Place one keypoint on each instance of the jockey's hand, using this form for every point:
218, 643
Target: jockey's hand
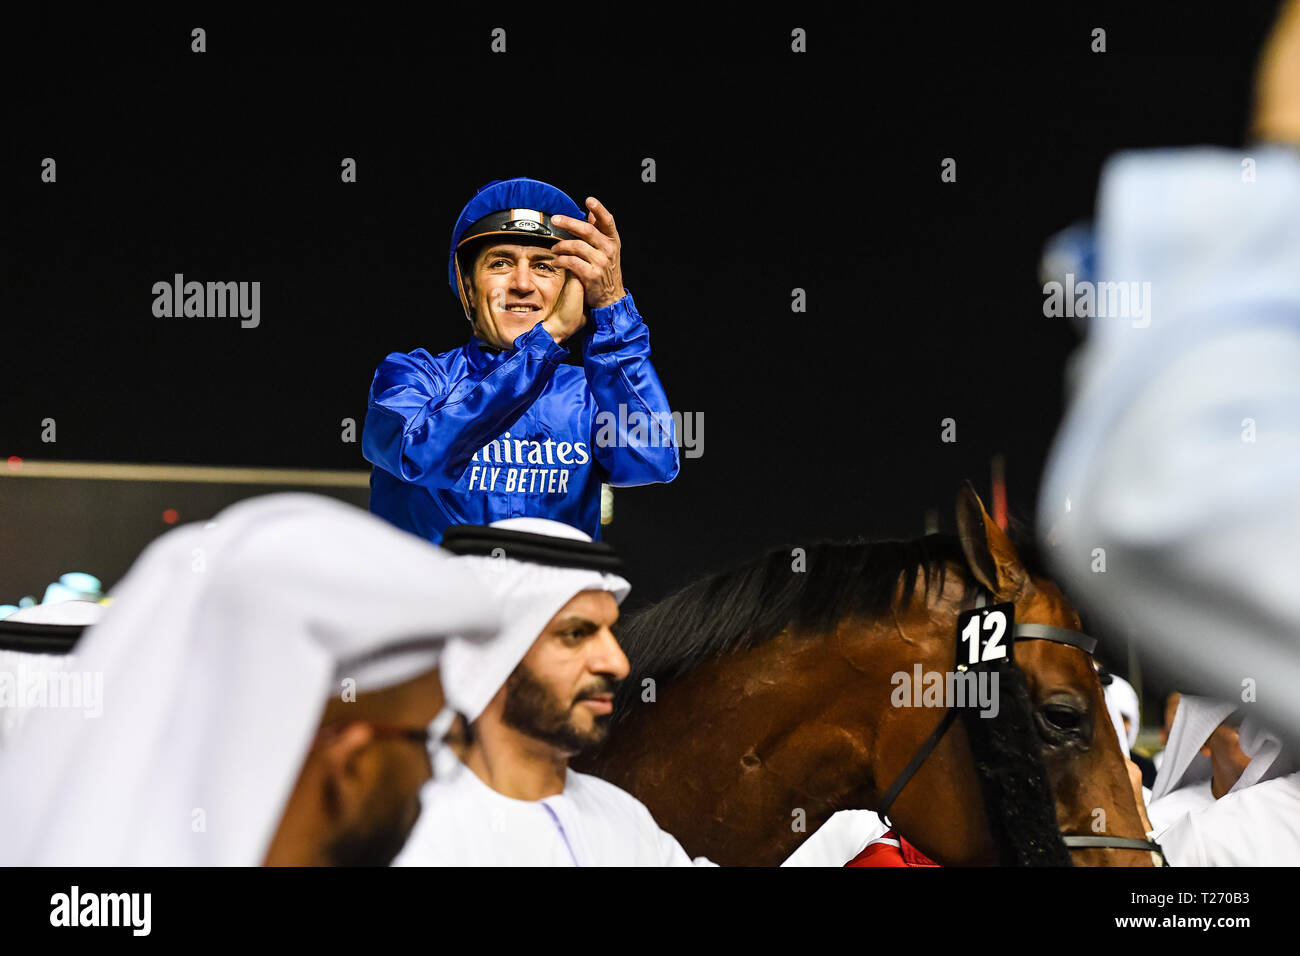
567, 317
596, 256
1277, 80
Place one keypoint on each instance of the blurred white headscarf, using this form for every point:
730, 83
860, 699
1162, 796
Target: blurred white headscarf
528, 595
221, 647
1121, 702
1195, 720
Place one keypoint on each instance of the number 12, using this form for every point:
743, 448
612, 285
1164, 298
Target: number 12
995, 621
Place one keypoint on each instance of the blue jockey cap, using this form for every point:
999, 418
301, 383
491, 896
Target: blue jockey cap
519, 206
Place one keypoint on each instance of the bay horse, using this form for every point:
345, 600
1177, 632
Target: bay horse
761, 696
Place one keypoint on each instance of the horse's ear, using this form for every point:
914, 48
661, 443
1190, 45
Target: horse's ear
989, 552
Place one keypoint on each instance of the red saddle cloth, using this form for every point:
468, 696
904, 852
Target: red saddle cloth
890, 849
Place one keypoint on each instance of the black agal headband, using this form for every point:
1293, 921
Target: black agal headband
476, 539
29, 637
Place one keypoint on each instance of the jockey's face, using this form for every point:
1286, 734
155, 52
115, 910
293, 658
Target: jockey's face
562, 691
513, 286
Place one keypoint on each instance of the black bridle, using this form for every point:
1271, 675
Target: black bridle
1019, 632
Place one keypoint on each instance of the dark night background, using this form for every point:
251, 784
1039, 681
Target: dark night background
775, 171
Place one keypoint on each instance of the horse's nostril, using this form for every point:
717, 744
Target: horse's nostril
750, 760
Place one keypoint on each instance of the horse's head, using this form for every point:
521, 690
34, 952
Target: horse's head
769, 696
1088, 773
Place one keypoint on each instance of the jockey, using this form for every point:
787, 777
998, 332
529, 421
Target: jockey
500, 427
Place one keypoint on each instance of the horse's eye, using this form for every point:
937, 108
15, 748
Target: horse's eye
1063, 718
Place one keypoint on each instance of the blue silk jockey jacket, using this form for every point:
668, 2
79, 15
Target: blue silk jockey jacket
473, 435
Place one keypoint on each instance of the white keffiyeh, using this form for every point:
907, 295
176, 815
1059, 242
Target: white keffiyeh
528, 595
220, 649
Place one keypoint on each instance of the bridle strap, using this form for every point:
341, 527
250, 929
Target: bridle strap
914, 764
1115, 843
1112, 843
1057, 635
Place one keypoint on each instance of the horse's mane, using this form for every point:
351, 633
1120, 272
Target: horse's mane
747, 605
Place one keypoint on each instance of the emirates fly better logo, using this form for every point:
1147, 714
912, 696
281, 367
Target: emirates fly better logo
544, 466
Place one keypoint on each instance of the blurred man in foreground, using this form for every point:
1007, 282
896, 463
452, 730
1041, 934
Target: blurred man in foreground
268, 680
1179, 458
1180, 455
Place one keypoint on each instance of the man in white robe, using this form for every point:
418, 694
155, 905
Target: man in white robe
1179, 457
531, 701
1187, 779
268, 681
1256, 823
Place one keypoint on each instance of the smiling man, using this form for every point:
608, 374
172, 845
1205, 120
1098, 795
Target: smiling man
542, 695
500, 428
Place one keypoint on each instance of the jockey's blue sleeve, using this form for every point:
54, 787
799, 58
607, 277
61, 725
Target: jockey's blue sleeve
634, 435
423, 429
